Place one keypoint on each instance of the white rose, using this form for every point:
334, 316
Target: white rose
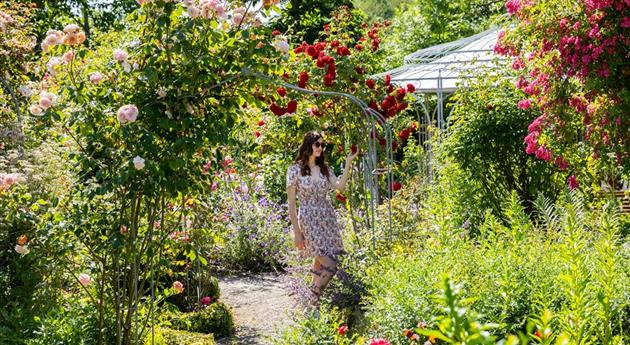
138, 163
22, 249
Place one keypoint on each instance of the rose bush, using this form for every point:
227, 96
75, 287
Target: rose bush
573, 67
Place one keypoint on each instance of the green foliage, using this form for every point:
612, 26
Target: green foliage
457, 325
73, 322
306, 19
485, 141
513, 273
317, 330
166, 336
216, 318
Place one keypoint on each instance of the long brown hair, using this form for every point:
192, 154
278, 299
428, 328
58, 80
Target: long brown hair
306, 150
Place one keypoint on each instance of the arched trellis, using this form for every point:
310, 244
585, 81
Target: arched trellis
371, 170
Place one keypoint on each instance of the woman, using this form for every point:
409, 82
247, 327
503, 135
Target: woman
316, 231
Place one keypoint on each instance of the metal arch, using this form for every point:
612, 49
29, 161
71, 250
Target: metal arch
370, 162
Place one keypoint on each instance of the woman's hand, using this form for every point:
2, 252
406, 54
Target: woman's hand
351, 157
298, 239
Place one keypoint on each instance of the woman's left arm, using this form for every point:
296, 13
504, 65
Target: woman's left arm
341, 182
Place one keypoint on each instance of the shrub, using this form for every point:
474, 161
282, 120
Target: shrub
167, 336
215, 318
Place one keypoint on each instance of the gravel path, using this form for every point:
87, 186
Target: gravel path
261, 305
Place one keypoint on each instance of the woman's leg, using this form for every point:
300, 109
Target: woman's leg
328, 268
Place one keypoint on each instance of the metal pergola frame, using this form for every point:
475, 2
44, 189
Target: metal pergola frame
438, 71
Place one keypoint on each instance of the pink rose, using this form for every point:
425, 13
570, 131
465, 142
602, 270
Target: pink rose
178, 286
72, 29
237, 19
85, 279
36, 109
379, 342
120, 55
46, 100
206, 300
525, 104
96, 77
573, 183
193, 11
127, 114
68, 56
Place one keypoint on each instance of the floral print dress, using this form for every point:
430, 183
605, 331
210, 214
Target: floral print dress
316, 215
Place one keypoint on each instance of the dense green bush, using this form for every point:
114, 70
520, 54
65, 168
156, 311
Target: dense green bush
216, 318
167, 336
485, 141
568, 263
74, 321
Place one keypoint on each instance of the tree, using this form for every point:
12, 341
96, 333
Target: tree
421, 23
307, 18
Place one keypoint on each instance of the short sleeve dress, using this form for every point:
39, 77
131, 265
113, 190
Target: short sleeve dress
317, 218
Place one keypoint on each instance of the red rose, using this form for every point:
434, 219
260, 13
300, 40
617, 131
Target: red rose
343, 51
375, 45
285, 75
341, 198
326, 27
358, 47
281, 91
278, 111
303, 79
292, 106
390, 88
332, 70
320, 46
359, 70
401, 106
298, 50
328, 80
394, 145
404, 134
370, 83
343, 329
312, 51
275, 32
396, 186
373, 33
400, 94
257, 134
261, 123
334, 44
382, 141
373, 105
320, 62
354, 148
388, 80
411, 88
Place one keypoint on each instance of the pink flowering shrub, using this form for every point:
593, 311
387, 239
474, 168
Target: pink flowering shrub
146, 121
572, 60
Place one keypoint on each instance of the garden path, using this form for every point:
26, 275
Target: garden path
261, 305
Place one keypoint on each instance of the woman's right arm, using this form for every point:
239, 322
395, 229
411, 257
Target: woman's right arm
298, 237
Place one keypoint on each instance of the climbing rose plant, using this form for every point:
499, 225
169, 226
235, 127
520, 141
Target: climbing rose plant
572, 57
147, 110
342, 60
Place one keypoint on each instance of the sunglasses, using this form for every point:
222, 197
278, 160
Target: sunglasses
318, 144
